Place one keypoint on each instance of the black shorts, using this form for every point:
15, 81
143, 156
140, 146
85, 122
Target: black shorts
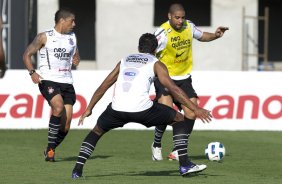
158, 114
185, 85
49, 89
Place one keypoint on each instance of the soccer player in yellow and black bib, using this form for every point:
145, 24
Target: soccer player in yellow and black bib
175, 51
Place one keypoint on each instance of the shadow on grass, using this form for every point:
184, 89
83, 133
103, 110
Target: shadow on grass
74, 158
197, 157
169, 173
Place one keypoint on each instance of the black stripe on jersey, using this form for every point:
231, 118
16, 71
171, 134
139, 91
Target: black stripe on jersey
47, 55
160, 33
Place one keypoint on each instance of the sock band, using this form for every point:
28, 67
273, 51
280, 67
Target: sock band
54, 125
86, 149
180, 140
159, 132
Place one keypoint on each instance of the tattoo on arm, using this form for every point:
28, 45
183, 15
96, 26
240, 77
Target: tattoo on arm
36, 44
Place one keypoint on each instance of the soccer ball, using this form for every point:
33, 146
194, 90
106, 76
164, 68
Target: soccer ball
215, 151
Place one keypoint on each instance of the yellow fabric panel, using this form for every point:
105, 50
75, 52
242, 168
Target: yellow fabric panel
177, 55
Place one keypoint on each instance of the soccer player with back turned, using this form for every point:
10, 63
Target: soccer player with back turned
132, 77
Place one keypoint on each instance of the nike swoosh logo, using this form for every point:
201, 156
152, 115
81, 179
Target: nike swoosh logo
178, 55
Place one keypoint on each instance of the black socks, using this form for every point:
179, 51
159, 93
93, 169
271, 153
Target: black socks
159, 131
86, 149
54, 125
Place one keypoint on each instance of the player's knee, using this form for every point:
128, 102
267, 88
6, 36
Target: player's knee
99, 131
190, 115
58, 110
178, 117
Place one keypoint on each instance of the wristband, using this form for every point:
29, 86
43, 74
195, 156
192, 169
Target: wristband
31, 72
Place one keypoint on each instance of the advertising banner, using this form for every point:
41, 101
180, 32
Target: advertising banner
237, 100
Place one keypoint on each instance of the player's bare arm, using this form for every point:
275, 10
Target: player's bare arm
76, 58
162, 73
38, 42
212, 36
99, 93
178, 93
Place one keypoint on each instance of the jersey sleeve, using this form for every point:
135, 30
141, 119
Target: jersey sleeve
197, 33
161, 36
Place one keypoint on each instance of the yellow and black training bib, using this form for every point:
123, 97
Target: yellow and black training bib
177, 55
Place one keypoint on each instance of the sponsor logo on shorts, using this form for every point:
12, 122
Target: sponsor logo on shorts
50, 90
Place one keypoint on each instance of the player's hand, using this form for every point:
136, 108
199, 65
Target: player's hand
76, 59
84, 115
203, 114
220, 31
36, 78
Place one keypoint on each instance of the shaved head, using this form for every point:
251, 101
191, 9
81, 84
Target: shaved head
176, 16
175, 7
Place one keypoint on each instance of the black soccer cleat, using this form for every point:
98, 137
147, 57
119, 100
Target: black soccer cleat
76, 174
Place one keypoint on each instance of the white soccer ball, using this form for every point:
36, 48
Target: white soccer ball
215, 151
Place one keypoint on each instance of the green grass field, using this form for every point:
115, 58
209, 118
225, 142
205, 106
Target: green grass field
124, 156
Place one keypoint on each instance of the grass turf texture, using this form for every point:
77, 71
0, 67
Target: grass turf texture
124, 156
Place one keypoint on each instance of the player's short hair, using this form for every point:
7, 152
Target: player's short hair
176, 7
63, 13
147, 43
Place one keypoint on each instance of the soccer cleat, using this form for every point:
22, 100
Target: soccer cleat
191, 168
156, 153
49, 155
76, 174
173, 156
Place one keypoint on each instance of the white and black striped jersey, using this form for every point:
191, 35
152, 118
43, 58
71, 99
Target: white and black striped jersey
56, 57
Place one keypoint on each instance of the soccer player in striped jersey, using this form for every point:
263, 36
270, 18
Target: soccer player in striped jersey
58, 52
131, 102
175, 50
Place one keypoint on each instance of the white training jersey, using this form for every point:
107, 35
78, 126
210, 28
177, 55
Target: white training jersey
162, 35
131, 93
56, 57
